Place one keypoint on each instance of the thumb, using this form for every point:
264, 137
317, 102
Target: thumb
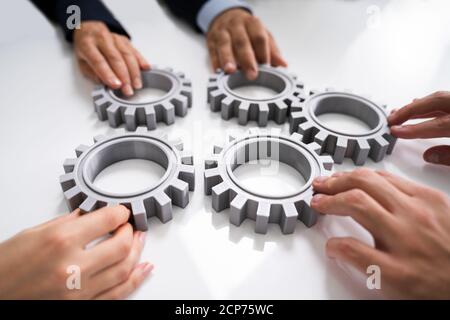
438, 155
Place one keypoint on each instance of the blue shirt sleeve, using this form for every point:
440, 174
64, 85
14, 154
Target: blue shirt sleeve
212, 8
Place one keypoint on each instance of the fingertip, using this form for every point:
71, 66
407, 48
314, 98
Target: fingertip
251, 74
431, 157
114, 83
127, 90
146, 268
229, 67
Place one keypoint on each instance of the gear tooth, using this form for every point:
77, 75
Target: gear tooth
296, 106
101, 104
378, 148
181, 104
98, 90
150, 117
180, 75
67, 181
392, 140
179, 193
262, 217
187, 174
217, 149
114, 115
327, 162
220, 197
163, 207
211, 162
99, 138
130, 119
238, 207
243, 112
215, 98
280, 111
306, 129
254, 131
211, 179
187, 158
340, 149
186, 91
212, 86
227, 107
80, 149
231, 138
361, 152
317, 148
69, 165
168, 112
89, 204
177, 144
295, 119
308, 215
139, 215
321, 138
142, 130
74, 197
288, 219
263, 114
121, 132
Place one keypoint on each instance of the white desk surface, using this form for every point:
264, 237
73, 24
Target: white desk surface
395, 51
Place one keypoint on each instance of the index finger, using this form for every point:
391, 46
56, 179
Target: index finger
437, 102
93, 225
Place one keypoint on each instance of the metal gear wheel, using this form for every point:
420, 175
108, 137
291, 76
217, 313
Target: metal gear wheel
375, 143
227, 192
112, 106
179, 178
223, 98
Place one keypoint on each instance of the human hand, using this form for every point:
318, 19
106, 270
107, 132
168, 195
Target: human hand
410, 224
108, 57
436, 106
35, 262
237, 38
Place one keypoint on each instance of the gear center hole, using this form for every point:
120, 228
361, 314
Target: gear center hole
126, 169
154, 87
267, 85
346, 115
271, 169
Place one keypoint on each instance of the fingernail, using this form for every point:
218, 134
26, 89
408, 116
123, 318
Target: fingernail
128, 90
229, 67
432, 158
320, 180
397, 128
142, 238
115, 82
137, 83
316, 199
146, 269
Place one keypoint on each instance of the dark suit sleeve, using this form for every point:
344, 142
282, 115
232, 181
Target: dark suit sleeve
186, 10
56, 11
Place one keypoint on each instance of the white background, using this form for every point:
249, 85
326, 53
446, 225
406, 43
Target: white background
392, 50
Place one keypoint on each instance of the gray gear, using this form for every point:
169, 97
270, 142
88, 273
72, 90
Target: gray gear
80, 191
375, 144
226, 191
223, 98
112, 106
